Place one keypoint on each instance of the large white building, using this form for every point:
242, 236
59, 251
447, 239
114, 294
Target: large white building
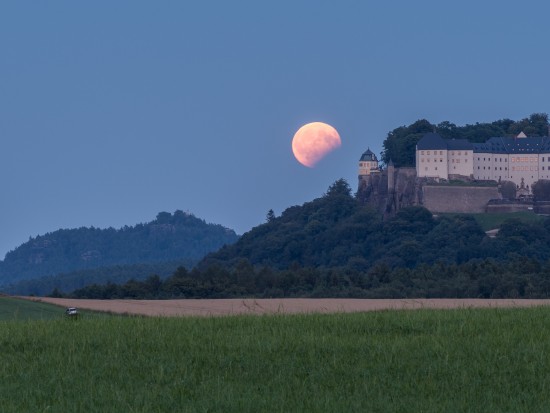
521, 160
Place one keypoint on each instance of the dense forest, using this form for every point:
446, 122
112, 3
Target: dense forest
335, 247
67, 282
170, 237
400, 144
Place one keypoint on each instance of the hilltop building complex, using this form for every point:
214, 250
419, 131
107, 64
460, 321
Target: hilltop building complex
521, 159
482, 169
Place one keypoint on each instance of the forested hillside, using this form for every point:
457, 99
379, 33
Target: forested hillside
67, 282
335, 247
170, 237
400, 144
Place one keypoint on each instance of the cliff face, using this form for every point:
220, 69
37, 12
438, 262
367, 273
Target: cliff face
394, 188
391, 189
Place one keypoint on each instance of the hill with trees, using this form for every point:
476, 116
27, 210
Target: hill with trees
334, 246
180, 237
400, 144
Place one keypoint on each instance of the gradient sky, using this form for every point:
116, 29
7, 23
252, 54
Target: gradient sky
112, 111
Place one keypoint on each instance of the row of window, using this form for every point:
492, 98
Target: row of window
496, 160
513, 159
523, 159
428, 152
441, 160
496, 168
514, 168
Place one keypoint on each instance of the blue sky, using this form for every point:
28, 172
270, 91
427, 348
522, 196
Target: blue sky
112, 111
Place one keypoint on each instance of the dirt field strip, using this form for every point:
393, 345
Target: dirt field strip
223, 307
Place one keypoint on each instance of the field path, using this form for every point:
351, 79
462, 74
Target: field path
219, 307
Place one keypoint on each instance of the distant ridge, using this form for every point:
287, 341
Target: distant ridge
170, 237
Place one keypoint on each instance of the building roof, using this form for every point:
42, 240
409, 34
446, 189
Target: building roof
435, 141
368, 156
431, 141
514, 145
517, 145
459, 145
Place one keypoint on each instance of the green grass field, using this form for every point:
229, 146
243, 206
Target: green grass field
390, 361
24, 310
17, 309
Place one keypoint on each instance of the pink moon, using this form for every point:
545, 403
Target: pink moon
313, 141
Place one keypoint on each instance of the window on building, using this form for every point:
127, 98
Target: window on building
422, 160
441, 152
421, 152
426, 168
436, 168
427, 152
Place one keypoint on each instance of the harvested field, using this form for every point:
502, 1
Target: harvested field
223, 307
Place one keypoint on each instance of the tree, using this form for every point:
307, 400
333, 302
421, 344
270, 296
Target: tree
541, 190
400, 144
270, 216
508, 190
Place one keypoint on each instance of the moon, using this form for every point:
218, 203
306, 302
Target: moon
313, 141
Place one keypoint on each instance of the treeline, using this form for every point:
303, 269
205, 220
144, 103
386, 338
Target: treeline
119, 274
400, 144
488, 278
169, 237
335, 247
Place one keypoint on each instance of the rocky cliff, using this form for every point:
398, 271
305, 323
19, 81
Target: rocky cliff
394, 188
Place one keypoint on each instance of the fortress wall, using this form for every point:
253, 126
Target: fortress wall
468, 199
517, 207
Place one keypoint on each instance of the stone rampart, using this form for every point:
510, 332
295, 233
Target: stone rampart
467, 199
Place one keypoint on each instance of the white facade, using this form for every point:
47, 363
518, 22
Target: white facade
520, 160
460, 162
432, 163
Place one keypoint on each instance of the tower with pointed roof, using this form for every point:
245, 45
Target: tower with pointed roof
368, 163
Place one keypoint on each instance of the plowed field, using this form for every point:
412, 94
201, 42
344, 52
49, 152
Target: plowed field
221, 307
